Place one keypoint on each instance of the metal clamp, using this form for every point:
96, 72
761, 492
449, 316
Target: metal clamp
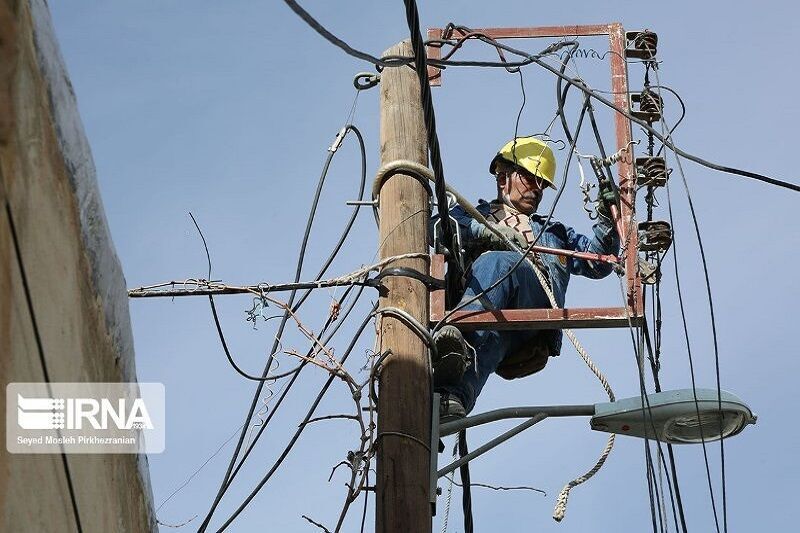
366, 80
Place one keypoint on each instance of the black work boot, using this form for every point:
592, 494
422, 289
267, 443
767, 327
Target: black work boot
451, 359
450, 408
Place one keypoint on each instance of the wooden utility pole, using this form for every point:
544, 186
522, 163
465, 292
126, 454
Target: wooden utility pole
404, 410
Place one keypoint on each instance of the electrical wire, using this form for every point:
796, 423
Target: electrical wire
535, 59
707, 280
302, 425
295, 375
593, 94
466, 489
691, 360
301, 256
454, 271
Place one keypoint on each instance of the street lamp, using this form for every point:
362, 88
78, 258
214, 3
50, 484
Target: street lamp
686, 416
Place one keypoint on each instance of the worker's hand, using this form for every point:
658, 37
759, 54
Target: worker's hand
494, 241
606, 198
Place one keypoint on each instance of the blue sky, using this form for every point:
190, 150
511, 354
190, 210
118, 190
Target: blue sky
227, 109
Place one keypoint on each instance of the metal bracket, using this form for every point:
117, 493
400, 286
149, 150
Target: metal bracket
429, 281
458, 249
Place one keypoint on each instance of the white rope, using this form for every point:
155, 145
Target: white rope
561, 504
563, 496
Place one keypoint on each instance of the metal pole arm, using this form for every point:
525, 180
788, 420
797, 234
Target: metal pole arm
514, 412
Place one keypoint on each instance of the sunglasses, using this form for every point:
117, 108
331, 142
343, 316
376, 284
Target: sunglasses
527, 176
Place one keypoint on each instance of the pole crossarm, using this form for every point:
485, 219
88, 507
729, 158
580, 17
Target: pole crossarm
203, 287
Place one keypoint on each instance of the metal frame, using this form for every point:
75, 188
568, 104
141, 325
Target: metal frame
588, 317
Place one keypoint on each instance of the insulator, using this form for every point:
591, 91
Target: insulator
650, 102
651, 171
647, 41
647, 106
641, 44
655, 236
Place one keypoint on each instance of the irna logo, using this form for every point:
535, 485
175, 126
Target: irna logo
80, 413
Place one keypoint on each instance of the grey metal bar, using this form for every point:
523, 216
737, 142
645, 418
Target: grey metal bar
449, 428
491, 444
434, 450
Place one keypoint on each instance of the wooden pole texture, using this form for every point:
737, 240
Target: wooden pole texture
404, 410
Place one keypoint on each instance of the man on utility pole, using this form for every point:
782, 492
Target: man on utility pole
404, 402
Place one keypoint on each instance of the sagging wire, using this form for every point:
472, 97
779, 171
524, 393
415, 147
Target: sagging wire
302, 426
691, 359
712, 316
654, 357
663, 138
653, 489
394, 61
602, 167
295, 373
301, 256
646, 410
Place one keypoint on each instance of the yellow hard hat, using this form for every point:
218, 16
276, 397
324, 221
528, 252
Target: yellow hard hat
530, 153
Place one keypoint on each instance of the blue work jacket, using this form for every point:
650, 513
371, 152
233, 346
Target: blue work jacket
556, 235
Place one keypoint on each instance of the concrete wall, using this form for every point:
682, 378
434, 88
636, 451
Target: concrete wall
63, 305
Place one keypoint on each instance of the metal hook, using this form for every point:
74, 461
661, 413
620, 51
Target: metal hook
366, 80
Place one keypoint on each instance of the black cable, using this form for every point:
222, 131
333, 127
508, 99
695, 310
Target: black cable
399, 61
593, 94
389, 61
521, 107
366, 503
647, 415
284, 319
466, 493
713, 325
40, 350
691, 361
454, 271
683, 111
675, 497
303, 424
325, 266
295, 376
561, 97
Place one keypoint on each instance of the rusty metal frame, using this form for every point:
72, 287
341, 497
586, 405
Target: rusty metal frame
587, 317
